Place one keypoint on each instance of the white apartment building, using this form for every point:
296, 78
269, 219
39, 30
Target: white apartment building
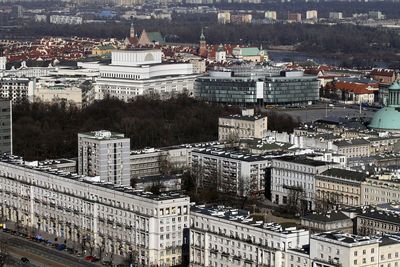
295, 173
17, 89
137, 72
230, 171
50, 90
346, 250
106, 155
59, 19
235, 127
72, 207
227, 237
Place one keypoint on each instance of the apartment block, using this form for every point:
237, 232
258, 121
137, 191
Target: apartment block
17, 89
230, 171
106, 155
6, 126
336, 188
378, 222
235, 127
353, 147
221, 236
376, 191
341, 249
295, 174
73, 207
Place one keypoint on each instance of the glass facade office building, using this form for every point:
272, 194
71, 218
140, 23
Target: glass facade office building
291, 87
233, 90
291, 90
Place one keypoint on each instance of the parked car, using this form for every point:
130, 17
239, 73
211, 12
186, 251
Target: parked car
61, 247
24, 260
90, 257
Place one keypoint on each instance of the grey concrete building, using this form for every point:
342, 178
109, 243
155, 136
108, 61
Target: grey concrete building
5, 126
104, 154
84, 213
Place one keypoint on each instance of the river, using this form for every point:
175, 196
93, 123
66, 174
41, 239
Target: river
289, 56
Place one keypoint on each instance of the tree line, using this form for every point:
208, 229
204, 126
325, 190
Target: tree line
49, 130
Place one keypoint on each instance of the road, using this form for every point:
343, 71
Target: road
39, 254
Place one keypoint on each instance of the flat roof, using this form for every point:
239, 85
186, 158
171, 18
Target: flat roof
231, 154
243, 217
345, 174
245, 118
302, 160
19, 162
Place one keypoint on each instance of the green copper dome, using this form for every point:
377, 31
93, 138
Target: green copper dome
387, 118
394, 86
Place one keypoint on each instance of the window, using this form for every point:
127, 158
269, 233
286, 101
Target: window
355, 253
372, 259
355, 262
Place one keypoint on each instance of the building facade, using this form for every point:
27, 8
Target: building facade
376, 191
6, 144
137, 72
237, 127
106, 155
336, 188
222, 236
295, 175
101, 216
229, 171
17, 89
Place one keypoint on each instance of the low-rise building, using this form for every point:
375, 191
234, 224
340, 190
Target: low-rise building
235, 127
376, 191
295, 176
372, 222
354, 147
335, 188
327, 221
342, 249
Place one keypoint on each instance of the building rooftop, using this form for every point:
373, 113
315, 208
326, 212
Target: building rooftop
326, 216
243, 217
302, 160
382, 215
239, 155
245, 118
345, 174
19, 162
351, 142
345, 238
103, 135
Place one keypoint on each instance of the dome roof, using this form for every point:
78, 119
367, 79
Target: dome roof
386, 118
394, 86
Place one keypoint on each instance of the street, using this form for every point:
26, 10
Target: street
39, 254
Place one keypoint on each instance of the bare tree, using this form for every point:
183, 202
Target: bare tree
246, 187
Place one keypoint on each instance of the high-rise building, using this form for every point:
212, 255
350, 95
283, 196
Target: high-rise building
5, 126
104, 154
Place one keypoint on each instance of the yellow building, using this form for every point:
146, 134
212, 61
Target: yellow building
102, 50
336, 188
